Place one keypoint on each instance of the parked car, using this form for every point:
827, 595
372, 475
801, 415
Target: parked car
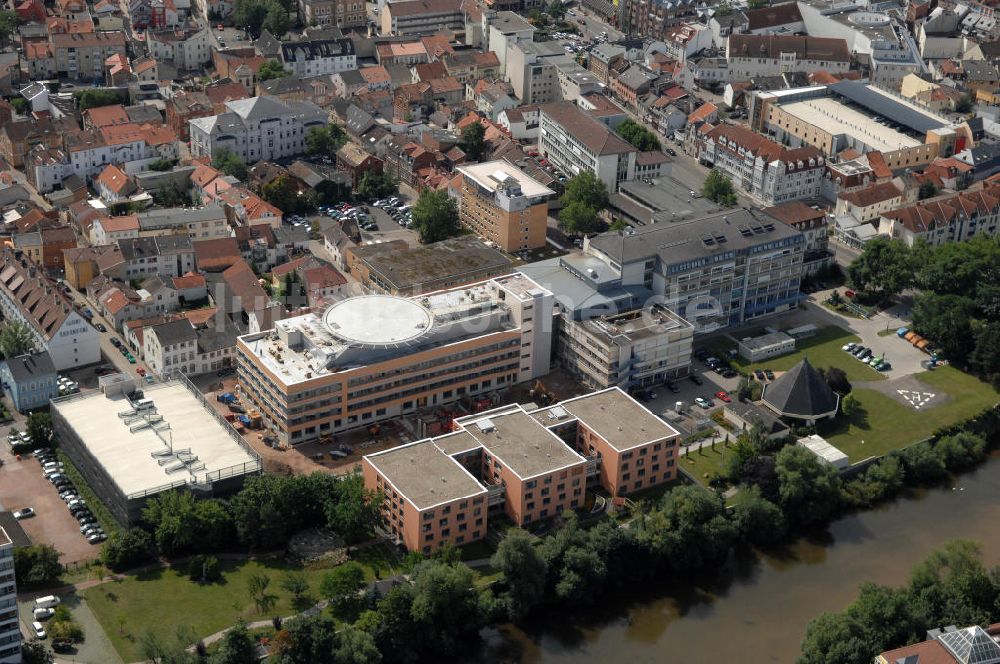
24, 513
849, 347
724, 396
673, 387
43, 614
696, 379
38, 629
704, 403
769, 374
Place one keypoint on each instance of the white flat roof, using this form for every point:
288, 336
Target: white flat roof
837, 118
485, 174
824, 450
127, 456
378, 319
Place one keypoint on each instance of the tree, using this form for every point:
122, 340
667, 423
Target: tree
238, 646
270, 69
181, 523
16, 339
927, 190
985, 357
373, 186
277, 21
690, 530
158, 649
35, 652
20, 105
836, 379
472, 141
952, 587
588, 189
578, 218
757, 4
204, 569
445, 608
524, 572
758, 520
282, 193
808, 490
37, 565
353, 511
960, 451
296, 584
324, 141
230, 163
94, 98
641, 138
356, 646
435, 216
341, 585
127, 548
946, 320
309, 640
964, 104
39, 427
556, 9
923, 464
851, 407
883, 269
257, 586
162, 164
719, 188
9, 20
834, 638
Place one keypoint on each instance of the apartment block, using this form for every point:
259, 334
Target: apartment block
723, 270
10, 628
374, 357
529, 464
421, 17
950, 218
575, 141
319, 57
337, 13
504, 205
255, 129
751, 56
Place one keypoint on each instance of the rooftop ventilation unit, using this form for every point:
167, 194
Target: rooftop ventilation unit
486, 425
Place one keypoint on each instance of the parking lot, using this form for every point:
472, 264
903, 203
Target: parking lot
23, 485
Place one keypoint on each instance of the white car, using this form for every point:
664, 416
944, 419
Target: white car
704, 403
43, 614
24, 513
39, 630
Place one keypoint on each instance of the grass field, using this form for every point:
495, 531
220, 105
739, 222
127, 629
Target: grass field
887, 424
823, 350
164, 600
705, 462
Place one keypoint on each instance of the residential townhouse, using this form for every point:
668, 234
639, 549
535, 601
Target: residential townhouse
45, 246
812, 222
950, 218
82, 55
185, 48
19, 137
766, 170
108, 230
318, 57
752, 56
28, 296
185, 106
180, 346
869, 203
166, 255
468, 66
30, 380
335, 13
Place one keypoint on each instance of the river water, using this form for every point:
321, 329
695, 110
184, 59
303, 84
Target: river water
760, 613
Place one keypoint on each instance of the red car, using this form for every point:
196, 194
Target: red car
532, 153
543, 162
141, 371
724, 396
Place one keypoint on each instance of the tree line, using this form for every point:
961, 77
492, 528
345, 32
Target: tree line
957, 304
951, 587
263, 515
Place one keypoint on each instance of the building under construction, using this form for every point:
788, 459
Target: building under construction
131, 445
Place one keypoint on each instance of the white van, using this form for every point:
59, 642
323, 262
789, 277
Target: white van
47, 602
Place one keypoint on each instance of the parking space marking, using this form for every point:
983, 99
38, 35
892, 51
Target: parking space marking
916, 398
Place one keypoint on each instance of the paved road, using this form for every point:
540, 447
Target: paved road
110, 353
593, 25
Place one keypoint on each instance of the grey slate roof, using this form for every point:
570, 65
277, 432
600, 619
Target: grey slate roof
305, 51
801, 392
175, 332
30, 367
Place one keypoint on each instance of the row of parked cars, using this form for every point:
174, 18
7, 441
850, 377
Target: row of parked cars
867, 355
123, 349
53, 470
399, 210
720, 367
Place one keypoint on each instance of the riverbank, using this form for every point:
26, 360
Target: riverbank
759, 612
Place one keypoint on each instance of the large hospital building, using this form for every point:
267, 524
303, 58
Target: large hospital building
374, 357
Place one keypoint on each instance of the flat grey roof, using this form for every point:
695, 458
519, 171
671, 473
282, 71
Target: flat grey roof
697, 238
618, 419
425, 475
668, 199
430, 262
127, 456
584, 297
520, 442
897, 111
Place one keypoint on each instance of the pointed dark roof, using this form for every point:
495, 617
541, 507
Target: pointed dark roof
801, 392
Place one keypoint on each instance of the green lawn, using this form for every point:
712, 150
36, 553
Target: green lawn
823, 350
704, 463
887, 424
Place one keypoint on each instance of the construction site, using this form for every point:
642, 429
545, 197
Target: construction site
131, 444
